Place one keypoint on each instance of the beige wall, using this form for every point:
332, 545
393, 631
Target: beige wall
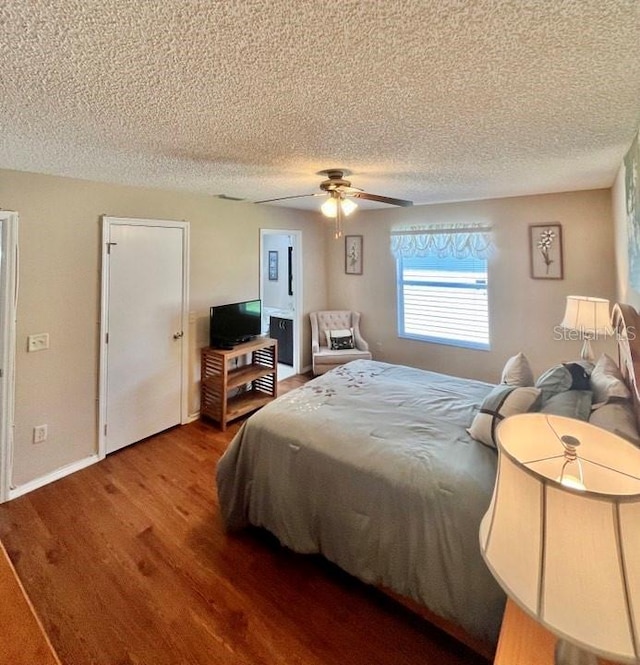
523, 311
60, 281
60, 286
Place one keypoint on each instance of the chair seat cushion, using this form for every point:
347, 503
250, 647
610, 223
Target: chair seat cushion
329, 357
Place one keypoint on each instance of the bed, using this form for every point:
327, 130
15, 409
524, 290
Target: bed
371, 465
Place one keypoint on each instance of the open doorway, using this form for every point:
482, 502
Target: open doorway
281, 295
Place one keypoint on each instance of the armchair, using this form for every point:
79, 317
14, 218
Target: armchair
325, 358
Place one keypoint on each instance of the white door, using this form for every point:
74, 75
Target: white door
144, 329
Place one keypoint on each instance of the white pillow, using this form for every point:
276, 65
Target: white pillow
340, 339
517, 371
503, 401
606, 382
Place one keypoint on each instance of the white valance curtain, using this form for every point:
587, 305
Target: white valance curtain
460, 241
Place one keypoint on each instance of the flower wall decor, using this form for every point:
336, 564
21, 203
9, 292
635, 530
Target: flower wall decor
545, 248
353, 255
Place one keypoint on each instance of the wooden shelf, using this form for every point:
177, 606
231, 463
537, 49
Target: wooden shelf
254, 381
242, 375
246, 402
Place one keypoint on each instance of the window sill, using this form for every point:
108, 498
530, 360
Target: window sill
474, 346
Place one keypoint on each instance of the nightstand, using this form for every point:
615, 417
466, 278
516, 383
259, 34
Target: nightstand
523, 641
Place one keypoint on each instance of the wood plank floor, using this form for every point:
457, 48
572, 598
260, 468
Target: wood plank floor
126, 562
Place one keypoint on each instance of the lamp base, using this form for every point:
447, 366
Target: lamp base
567, 653
587, 352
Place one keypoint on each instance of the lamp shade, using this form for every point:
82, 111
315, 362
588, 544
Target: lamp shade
568, 557
588, 315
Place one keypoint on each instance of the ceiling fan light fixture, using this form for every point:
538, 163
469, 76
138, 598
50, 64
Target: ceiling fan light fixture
348, 206
330, 207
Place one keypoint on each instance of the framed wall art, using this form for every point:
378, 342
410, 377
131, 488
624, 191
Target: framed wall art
545, 250
353, 255
632, 198
273, 266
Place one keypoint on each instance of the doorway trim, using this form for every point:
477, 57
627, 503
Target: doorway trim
296, 236
8, 315
107, 223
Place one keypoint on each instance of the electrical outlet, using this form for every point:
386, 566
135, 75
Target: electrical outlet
38, 342
39, 433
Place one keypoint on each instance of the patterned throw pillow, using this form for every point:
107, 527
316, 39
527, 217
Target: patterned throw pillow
501, 402
579, 376
338, 340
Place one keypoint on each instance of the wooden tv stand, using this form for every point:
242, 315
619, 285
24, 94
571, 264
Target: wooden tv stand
231, 387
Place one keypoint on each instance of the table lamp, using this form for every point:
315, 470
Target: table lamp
562, 534
589, 317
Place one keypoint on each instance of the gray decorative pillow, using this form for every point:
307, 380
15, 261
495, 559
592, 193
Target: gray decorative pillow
517, 371
617, 416
570, 403
607, 381
555, 380
503, 401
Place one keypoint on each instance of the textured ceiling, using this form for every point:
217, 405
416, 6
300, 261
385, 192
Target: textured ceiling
438, 100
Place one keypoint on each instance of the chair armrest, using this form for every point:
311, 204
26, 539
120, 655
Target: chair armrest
360, 343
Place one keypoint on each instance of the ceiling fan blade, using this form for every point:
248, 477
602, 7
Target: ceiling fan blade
383, 199
295, 196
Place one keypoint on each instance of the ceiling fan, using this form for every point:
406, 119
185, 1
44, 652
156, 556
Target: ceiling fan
340, 192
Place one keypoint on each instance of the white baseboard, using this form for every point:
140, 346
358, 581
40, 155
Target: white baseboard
15, 492
306, 369
192, 417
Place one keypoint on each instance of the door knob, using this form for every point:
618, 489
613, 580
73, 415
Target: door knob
178, 335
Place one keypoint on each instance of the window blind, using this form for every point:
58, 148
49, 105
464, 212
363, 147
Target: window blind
444, 300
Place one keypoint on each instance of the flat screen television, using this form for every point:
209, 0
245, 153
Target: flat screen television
235, 323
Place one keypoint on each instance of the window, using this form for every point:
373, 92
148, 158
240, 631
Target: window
442, 288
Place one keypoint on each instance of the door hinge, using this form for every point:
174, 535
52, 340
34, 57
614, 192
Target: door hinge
1, 373
109, 246
105, 429
106, 338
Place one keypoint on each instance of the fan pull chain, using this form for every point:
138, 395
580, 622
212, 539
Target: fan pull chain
338, 233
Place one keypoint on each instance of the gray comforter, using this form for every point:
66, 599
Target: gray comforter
371, 465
